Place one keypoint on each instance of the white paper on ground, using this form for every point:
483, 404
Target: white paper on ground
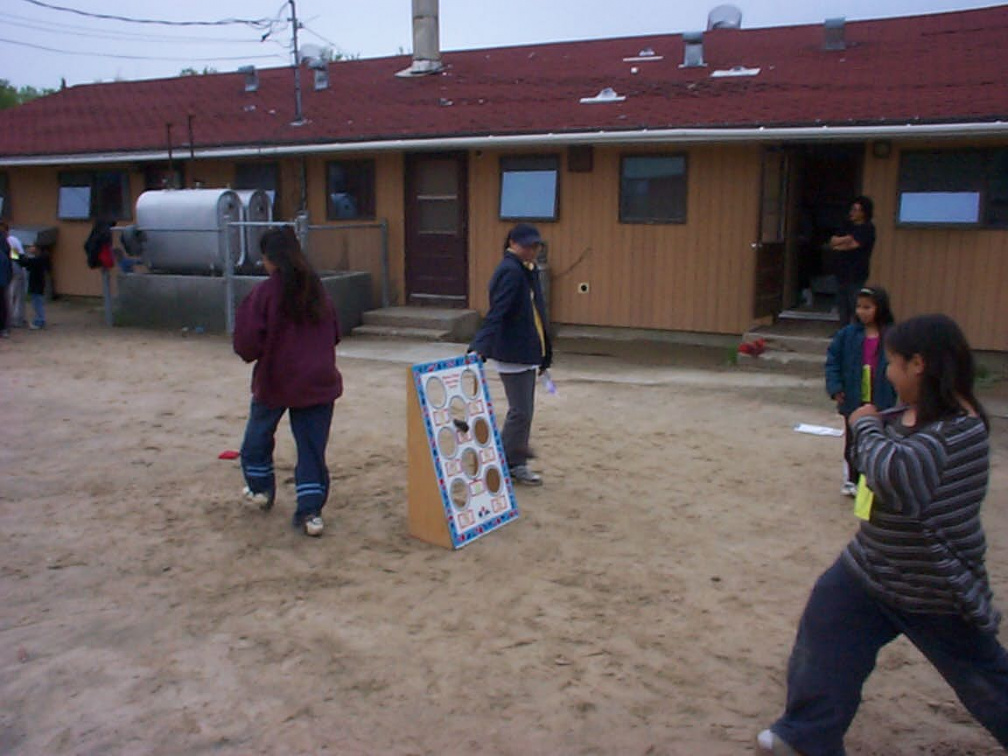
818, 430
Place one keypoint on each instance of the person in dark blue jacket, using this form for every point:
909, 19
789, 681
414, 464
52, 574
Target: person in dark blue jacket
856, 368
515, 333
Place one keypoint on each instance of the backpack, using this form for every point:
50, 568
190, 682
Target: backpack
100, 236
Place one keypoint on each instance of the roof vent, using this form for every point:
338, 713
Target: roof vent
734, 71
426, 40
606, 95
835, 34
692, 50
724, 17
647, 54
320, 68
251, 78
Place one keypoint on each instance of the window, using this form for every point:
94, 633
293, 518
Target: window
529, 188
94, 194
4, 197
161, 176
350, 190
653, 189
263, 176
954, 188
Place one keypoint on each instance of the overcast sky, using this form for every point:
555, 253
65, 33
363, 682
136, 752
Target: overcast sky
84, 49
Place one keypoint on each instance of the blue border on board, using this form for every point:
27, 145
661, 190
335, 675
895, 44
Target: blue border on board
467, 536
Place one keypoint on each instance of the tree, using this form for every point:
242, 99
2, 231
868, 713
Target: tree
11, 95
193, 72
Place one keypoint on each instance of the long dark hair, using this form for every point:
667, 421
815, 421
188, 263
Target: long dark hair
949, 370
303, 296
880, 298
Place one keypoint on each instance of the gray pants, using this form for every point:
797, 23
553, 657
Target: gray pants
520, 391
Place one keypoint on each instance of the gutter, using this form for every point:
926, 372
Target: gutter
645, 136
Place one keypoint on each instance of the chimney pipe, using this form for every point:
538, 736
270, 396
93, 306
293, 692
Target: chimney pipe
251, 78
426, 40
834, 28
692, 50
321, 70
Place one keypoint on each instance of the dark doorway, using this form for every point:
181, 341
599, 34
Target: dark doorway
827, 178
437, 254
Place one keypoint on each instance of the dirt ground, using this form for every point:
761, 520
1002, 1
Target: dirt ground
644, 602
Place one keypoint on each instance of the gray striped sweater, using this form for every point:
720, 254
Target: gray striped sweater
923, 549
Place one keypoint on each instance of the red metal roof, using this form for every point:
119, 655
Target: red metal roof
948, 67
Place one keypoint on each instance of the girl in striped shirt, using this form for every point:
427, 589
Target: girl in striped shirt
916, 566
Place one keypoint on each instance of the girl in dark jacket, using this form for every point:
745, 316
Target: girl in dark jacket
288, 326
856, 368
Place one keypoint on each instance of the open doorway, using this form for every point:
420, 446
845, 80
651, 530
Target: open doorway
826, 179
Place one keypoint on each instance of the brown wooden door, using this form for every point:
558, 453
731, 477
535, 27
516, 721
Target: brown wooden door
437, 254
771, 242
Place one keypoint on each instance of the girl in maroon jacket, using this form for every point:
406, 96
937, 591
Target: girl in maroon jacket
288, 326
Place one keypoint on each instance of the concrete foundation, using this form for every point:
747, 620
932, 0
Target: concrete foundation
158, 300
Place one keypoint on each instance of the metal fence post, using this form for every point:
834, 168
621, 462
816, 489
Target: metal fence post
301, 229
106, 281
229, 306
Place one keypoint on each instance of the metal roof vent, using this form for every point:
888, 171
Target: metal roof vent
692, 50
426, 40
835, 34
251, 78
724, 17
606, 95
320, 68
646, 55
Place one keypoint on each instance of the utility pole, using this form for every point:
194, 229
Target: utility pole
298, 115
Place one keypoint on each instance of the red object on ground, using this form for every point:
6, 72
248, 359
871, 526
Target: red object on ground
228, 454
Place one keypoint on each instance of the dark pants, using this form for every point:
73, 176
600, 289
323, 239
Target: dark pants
520, 391
3, 307
310, 426
839, 637
847, 291
848, 452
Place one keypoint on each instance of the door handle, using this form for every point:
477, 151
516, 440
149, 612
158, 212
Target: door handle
756, 245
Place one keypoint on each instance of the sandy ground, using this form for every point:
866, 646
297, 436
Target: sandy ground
644, 603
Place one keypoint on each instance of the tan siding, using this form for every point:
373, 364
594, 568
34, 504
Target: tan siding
960, 272
360, 249
695, 276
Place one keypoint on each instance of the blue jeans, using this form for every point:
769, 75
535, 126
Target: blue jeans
839, 637
310, 426
38, 304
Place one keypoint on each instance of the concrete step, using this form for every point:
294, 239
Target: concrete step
403, 332
804, 337
795, 363
460, 324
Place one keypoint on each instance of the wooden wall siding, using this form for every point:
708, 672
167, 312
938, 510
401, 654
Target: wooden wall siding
695, 276
960, 272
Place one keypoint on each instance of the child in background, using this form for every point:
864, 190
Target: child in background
856, 368
37, 263
288, 326
916, 566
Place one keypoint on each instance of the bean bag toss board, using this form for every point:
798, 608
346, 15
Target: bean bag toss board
459, 485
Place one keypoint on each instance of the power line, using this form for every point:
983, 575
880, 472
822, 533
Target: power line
258, 23
141, 57
83, 31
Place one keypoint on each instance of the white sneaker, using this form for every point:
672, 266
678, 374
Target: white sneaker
849, 489
261, 500
314, 526
767, 742
521, 474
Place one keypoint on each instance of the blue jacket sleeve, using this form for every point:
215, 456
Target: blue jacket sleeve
834, 364
504, 289
250, 326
